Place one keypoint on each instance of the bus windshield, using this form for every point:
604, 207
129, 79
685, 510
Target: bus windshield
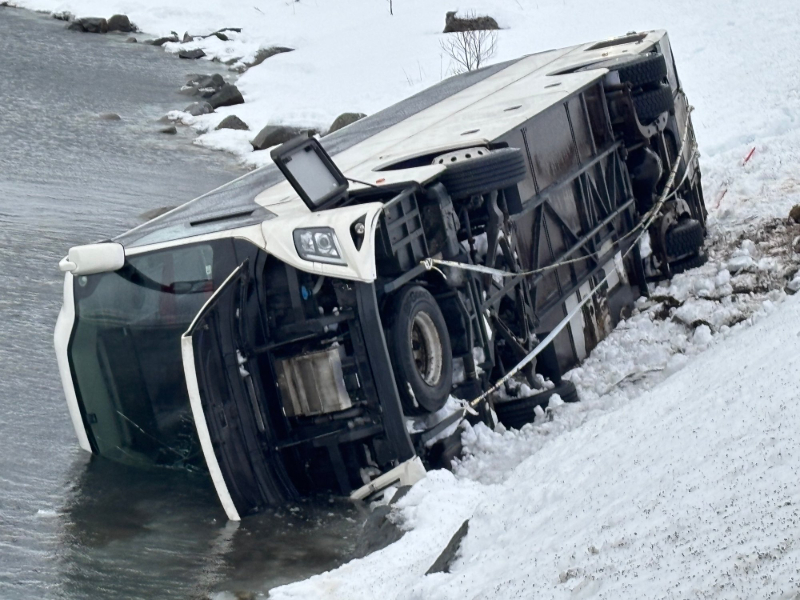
125, 353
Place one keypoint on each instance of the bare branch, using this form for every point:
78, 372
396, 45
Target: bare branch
469, 50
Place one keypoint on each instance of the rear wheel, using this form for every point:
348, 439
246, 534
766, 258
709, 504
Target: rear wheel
650, 104
686, 264
684, 239
643, 70
419, 345
497, 170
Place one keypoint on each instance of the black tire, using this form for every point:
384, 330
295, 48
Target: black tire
419, 346
519, 412
644, 70
692, 262
685, 238
497, 170
650, 104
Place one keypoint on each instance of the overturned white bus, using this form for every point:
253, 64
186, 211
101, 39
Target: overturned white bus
296, 329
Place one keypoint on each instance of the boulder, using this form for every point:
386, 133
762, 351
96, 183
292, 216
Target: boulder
227, 95
191, 54
232, 122
454, 24
448, 555
794, 214
203, 85
345, 119
187, 38
120, 23
131, 40
220, 35
109, 116
94, 25
171, 130
163, 40
272, 135
75, 26
199, 108
263, 54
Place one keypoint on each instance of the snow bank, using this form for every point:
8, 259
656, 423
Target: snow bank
690, 491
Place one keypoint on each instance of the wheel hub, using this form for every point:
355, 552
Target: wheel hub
426, 348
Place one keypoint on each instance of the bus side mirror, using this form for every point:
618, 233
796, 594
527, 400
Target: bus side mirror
311, 172
93, 258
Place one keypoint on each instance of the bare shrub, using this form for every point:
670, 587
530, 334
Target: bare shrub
469, 50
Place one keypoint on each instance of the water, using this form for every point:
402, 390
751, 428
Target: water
72, 526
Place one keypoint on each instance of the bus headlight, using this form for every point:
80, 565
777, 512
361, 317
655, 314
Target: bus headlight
318, 244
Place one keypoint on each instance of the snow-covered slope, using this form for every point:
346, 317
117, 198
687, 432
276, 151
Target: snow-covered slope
689, 491
676, 476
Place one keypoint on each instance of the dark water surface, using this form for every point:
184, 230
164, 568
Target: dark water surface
72, 526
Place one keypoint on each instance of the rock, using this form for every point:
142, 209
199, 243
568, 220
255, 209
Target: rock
75, 26
448, 555
263, 54
232, 122
109, 116
203, 85
131, 40
794, 214
227, 95
454, 24
377, 533
187, 38
191, 54
220, 35
163, 40
63, 16
272, 135
120, 23
345, 119
93, 24
171, 130
199, 108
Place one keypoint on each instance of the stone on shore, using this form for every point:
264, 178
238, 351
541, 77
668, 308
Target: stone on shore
192, 54
273, 135
89, 25
120, 23
171, 130
163, 40
263, 54
203, 85
232, 122
227, 95
109, 116
199, 108
131, 40
345, 119
794, 214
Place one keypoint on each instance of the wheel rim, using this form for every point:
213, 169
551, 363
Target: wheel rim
426, 347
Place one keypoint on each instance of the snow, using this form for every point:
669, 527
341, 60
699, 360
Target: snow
676, 475
603, 506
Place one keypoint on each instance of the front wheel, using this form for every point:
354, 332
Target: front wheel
419, 345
